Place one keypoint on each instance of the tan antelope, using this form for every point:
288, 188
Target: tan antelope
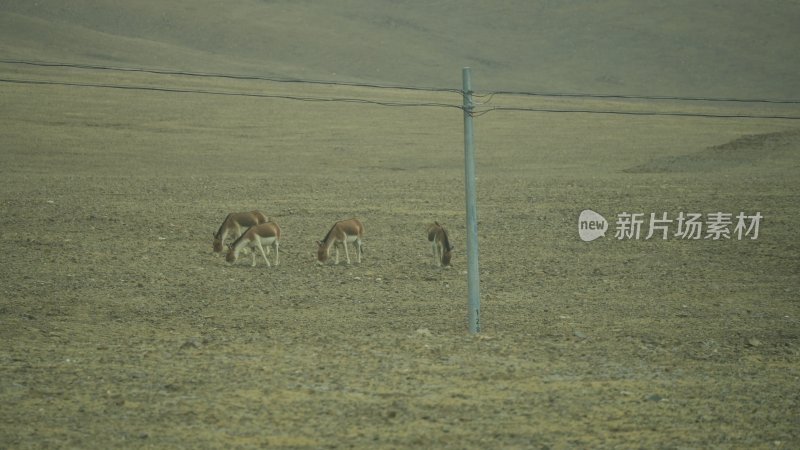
339, 235
268, 233
234, 224
440, 244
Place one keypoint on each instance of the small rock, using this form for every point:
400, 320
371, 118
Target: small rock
191, 343
753, 342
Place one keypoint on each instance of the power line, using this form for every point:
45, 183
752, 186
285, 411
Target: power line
638, 97
235, 94
227, 76
477, 94
634, 113
475, 113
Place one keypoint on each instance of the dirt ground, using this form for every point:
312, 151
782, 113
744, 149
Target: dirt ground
120, 328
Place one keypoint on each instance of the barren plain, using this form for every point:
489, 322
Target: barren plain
120, 329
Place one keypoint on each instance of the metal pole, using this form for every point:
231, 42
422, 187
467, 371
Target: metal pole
473, 277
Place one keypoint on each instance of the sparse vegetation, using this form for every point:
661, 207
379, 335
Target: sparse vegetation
120, 328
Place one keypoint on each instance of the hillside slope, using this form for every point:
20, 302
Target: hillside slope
733, 48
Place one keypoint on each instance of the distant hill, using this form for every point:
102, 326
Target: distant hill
736, 48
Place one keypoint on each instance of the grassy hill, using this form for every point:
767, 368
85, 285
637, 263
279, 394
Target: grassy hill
734, 48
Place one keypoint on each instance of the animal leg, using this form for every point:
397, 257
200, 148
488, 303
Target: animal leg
222, 239
232, 232
275, 244
346, 253
261, 247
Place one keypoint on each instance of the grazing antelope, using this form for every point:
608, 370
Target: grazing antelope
268, 233
339, 235
234, 224
440, 244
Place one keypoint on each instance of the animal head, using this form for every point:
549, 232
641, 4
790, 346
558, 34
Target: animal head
232, 255
323, 252
446, 257
217, 244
